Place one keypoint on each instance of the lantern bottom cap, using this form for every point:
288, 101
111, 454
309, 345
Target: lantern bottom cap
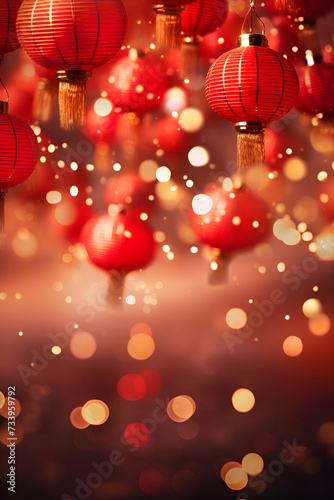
252, 40
73, 75
249, 127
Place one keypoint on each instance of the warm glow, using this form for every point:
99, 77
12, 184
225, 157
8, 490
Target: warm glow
163, 174
202, 204
147, 170
236, 318
312, 307
53, 197
141, 328
320, 324
83, 345
181, 408
295, 169
236, 479
198, 156
227, 467
243, 400
95, 412
141, 346
252, 463
292, 346
77, 419
191, 120
102, 107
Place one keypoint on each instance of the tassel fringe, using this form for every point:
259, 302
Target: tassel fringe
168, 27
250, 145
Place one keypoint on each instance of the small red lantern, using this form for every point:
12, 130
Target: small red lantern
236, 220
199, 19
316, 94
168, 22
18, 153
72, 38
8, 37
136, 83
251, 86
308, 9
118, 244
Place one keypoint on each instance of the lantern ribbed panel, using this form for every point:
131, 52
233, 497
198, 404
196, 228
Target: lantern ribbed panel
71, 34
8, 37
316, 94
18, 151
136, 85
216, 228
251, 84
309, 9
203, 17
118, 242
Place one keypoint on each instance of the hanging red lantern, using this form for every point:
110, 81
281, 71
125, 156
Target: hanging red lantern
8, 37
251, 86
136, 83
307, 9
199, 19
228, 221
316, 94
130, 193
72, 38
118, 244
18, 153
168, 22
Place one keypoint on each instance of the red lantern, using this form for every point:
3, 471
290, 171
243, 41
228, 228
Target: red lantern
251, 86
236, 220
168, 136
8, 37
136, 83
168, 22
71, 38
316, 94
308, 9
199, 19
118, 244
18, 153
130, 193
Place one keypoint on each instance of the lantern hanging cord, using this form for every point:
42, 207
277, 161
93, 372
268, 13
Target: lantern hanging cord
251, 12
5, 89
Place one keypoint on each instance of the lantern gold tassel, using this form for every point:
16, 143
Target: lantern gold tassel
250, 146
72, 98
189, 60
168, 26
43, 101
292, 6
2, 210
116, 288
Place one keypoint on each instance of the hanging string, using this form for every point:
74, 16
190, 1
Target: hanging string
5, 89
252, 12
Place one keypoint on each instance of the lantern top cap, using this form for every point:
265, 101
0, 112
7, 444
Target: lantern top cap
4, 106
252, 40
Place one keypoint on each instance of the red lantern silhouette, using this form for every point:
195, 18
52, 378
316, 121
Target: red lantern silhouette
118, 244
308, 9
8, 37
18, 153
237, 220
136, 83
199, 19
251, 86
316, 94
168, 22
71, 38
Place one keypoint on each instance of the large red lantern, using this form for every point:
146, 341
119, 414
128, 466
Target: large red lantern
199, 19
136, 83
316, 94
71, 38
118, 244
18, 153
251, 86
8, 37
228, 221
168, 22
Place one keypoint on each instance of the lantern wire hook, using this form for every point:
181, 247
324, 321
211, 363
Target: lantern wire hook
251, 12
5, 89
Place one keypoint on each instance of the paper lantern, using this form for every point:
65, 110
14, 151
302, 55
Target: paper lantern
71, 38
136, 83
251, 86
316, 94
198, 19
308, 9
168, 22
8, 37
18, 153
118, 244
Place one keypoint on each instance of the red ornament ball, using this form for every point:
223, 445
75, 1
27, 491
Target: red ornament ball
137, 434
118, 242
136, 83
251, 84
77, 35
236, 220
203, 17
131, 387
8, 37
18, 151
316, 94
